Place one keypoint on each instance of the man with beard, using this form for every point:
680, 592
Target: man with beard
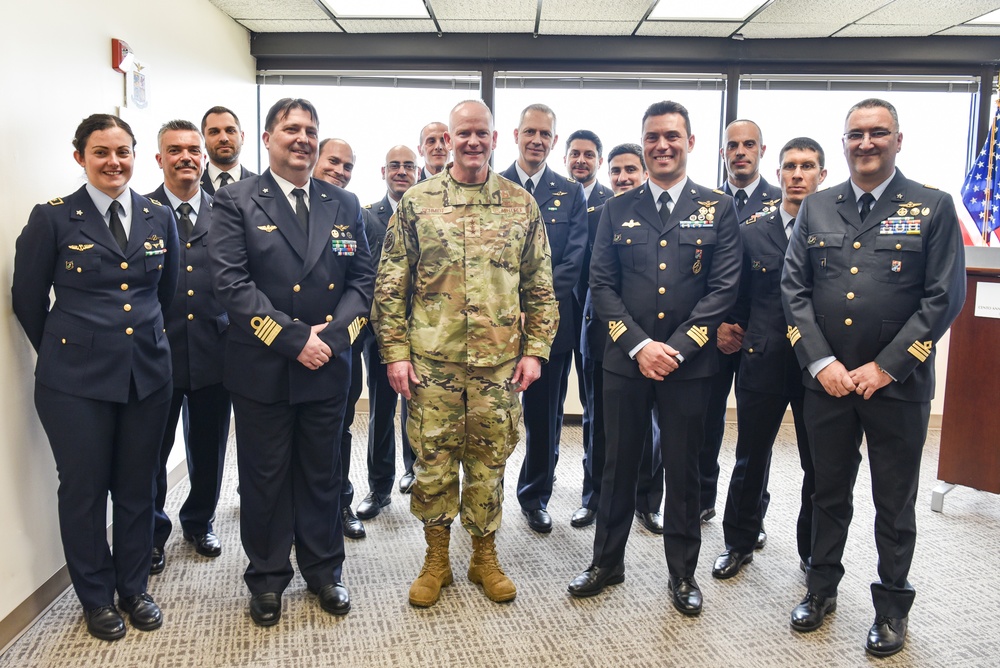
224, 140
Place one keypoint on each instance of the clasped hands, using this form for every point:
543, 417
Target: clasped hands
865, 380
316, 352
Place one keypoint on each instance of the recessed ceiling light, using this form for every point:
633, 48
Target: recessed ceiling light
396, 9
993, 18
718, 10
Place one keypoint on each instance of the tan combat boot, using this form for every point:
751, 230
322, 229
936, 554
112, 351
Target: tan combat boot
436, 573
484, 569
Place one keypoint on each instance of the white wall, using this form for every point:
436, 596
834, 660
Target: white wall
56, 57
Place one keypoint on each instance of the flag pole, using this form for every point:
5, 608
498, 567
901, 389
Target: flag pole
987, 228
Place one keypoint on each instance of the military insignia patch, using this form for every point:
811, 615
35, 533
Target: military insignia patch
631, 223
81, 247
616, 329
355, 327
699, 335
793, 335
265, 329
56, 201
267, 228
390, 241
920, 350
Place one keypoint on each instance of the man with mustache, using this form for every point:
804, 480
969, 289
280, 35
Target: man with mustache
291, 265
399, 173
196, 326
224, 140
435, 155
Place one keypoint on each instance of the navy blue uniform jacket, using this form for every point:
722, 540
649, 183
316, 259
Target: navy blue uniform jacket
106, 324
276, 283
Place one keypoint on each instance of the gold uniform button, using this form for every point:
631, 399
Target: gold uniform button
663, 291
763, 270
660, 315
190, 316
124, 265
187, 245
296, 288
129, 330
749, 350
190, 268
854, 270
697, 242
127, 307
79, 270
663, 265
190, 293
64, 342
850, 295
899, 246
663, 242
329, 318
857, 244
330, 287
159, 267
848, 322
628, 241
822, 243
124, 286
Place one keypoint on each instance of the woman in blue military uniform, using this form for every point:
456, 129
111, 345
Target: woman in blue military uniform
103, 377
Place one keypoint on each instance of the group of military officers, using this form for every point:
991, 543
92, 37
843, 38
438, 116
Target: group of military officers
484, 288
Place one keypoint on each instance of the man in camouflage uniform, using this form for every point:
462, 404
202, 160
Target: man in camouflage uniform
464, 314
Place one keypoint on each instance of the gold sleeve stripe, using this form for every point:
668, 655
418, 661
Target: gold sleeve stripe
699, 334
265, 329
793, 335
616, 329
921, 350
355, 327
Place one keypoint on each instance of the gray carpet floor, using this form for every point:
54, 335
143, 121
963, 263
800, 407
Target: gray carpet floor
745, 621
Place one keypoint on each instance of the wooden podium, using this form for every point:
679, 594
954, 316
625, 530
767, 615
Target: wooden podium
970, 424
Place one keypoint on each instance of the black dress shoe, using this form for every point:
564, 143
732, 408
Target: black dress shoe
142, 611
808, 615
729, 564
583, 517
538, 520
372, 505
707, 514
158, 561
205, 544
265, 609
334, 598
652, 521
105, 623
886, 636
761, 539
353, 528
406, 482
685, 595
593, 580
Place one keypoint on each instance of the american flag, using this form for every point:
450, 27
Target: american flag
981, 191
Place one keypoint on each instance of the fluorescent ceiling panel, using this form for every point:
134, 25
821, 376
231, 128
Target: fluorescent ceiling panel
402, 9
993, 18
719, 10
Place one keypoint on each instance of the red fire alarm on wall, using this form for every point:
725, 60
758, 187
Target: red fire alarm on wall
121, 54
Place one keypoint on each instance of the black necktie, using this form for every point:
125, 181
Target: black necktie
225, 179
117, 229
867, 200
186, 226
741, 200
665, 206
301, 212
789, 227
530, 187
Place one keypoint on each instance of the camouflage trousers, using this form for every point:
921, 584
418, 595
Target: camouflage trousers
468, 416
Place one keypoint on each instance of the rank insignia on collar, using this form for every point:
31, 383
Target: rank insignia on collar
267, 228
323, 195
840, 198
709, 203
591, 209
265, 190
79, 212
145, 210
631, 223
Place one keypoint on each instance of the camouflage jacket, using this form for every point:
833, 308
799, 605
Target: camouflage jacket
459, 266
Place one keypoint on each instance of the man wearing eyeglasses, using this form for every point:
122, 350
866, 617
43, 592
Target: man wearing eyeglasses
874, 275
399, 173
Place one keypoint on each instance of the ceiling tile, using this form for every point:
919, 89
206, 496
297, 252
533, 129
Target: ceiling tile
289, 25
985, 31
895, 30
789, 30
387, 25
927, 12
494, 25
588, 27
485, 10
687, 29
827, 11
595, 10
271, 9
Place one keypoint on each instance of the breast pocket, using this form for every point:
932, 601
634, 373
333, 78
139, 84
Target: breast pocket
505, 246
898, 258
824, 250
697, 244
765, 273
633, 247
